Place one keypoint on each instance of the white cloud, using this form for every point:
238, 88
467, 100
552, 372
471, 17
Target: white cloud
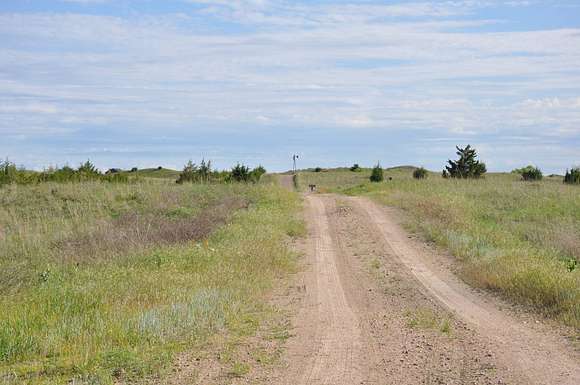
359, 67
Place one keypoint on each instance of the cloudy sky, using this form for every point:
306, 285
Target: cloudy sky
157, 82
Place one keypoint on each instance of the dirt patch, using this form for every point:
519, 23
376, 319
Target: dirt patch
365, 317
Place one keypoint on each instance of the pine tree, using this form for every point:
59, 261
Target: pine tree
467, 166
377, 174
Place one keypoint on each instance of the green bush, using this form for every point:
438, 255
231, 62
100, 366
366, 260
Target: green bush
529, 173
467, 166
193, 173
240, 173
318, 169
355, 168
377, 174
420, 173
257, 173
572, 176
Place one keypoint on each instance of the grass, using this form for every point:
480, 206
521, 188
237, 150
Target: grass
424, 318
163, 173
97, 290
517, 238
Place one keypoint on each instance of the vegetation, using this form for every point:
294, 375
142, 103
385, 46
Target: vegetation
572, 176
420, 173
529, 173
355, 168
377, 174
198, 174
467, 166
10, 174
520, 240
105, 283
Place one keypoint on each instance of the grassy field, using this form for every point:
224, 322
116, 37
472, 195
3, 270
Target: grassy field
161, 173
521, 239
104, 283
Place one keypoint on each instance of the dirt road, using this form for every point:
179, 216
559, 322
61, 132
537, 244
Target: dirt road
375, 306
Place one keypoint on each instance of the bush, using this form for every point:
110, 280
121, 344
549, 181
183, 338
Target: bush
257, 173
377, 174
240, 173
420, 173
572, 176
529, 173
467, 166
355, 168
196, 174
318, 169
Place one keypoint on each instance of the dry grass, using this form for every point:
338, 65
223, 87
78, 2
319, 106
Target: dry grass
130, 284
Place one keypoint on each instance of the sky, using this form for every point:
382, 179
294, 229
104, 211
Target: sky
144, 83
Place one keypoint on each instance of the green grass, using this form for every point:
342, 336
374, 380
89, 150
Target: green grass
163, 173
73, 312
510, 236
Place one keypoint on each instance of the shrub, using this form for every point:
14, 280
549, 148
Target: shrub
420, 173
467, 166
355, 168
240, 173
529, 173
377, 174
134, 169
196, 174
317, 169
257, 173
572, 176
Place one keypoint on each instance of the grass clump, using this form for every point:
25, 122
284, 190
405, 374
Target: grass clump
79, 305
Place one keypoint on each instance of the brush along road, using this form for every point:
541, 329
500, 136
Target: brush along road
375, 306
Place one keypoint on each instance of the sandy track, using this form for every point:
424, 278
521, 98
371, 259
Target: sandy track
352, 325
540, 358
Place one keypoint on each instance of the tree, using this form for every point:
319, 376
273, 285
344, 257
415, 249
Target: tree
377, 174
529, 173
189, 173
257, 173
572, 176
355, 168
467, 166
240, 173
420, 173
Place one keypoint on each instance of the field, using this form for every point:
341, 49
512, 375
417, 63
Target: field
105, 283
520, 239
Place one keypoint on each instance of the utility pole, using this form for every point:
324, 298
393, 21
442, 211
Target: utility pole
294, 157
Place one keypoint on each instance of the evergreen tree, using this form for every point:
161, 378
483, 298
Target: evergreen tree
467, 166
572, 176
377, 174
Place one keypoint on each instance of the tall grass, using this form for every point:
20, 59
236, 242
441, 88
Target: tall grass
121, 314
521, 239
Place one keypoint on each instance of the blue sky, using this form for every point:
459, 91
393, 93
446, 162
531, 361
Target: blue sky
145, 83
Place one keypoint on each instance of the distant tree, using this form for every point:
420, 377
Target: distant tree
88, 169
318, 169
188, 174
134, 169
420, 173
377, 174
257, 173
529, 173
572, 176
467, 166
355, 168
240, 173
